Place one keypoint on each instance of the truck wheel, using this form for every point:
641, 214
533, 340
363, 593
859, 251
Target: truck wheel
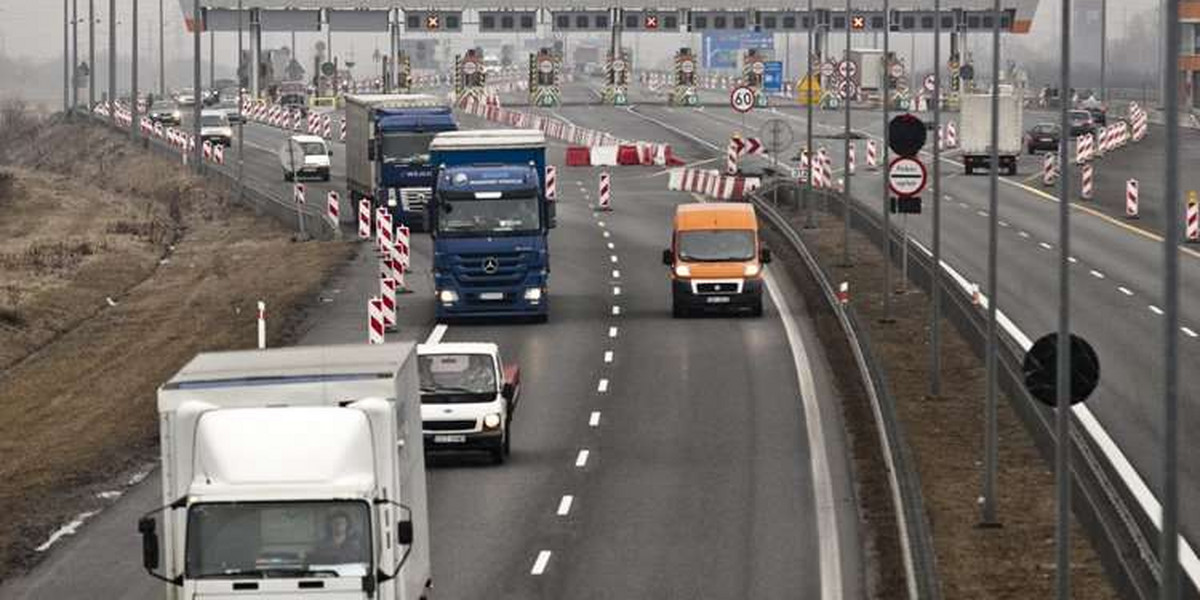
678, 311
498, 454
325, 177
507, 441
969, 168
288, 176
756, 310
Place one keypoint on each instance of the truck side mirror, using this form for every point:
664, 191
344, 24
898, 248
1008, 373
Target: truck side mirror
508, 390
668, 257
331, 153
404, 533
764, 255
148, 527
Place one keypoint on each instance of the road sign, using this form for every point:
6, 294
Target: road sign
930, 82
757, 68
1041, 370
847, 89
469, 67
906, 176
742, 99
847, 69
827, 69
896, 70
906, 135
432, 22
777, 135
773, 76
618, 65
651, 22
858, 22
327, 69
545, 66
687, 66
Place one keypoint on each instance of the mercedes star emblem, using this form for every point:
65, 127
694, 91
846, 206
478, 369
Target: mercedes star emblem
490, 265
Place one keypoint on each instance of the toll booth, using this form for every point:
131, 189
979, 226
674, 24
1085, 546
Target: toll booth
686, 76
544, 69
617, 69
753, 69
470, 80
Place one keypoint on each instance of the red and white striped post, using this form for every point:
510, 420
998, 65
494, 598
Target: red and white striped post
298, 193
1131, 199
342, 135
382, 231
364, 219
851, 166
1085, 186
387, 293
605, 202
375, 324
951, 135
1049, 169
1193, 219
262, 324
333, 207
551, 183
731, 154
872, 155
403, 244
843, 293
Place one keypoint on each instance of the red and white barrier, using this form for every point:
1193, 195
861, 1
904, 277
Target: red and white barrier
872, 155
375, 322
298, 193
387, 293
951, 135
1049, 169
852, 151
342, 134
843, 292
1192, 232
333, 207
1083, 148
1131, 199
551, 183
364, 219
605, 197
327, 127
1085, 185
262, 324
711, 183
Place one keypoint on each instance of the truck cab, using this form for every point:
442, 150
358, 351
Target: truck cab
468, 398
491, 221
293, 473
716, 259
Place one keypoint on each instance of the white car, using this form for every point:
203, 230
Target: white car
468, 397
215, 127
305, 155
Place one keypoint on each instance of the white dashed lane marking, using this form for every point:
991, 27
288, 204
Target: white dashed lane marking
1045, 245
1156, 310
594, 420
606, 234
613, 258
1124, 290
616, 274
616, 290
582, 458
1072, 259
539, 565
616, 310
612, 246
612, 332
1024, 234
608, 356
1097, 274
602, 386
564, 505
1189, 332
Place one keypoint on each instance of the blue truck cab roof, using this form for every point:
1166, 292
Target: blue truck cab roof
471, 179
416, 119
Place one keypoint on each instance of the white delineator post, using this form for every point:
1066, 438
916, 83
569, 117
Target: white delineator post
262, 324
605, 198
551, 183
387, 293
1085, 187
375, 325
364, 219
1131, 199
333, 207
850, 166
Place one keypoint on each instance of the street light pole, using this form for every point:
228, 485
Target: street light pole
66, 55
112, 52
197, 150
808, 124
241, 117
846, 152
1062, 417
162, 53
887, 209
1104, 52
988, 508
91, 54
935, 320
135, 122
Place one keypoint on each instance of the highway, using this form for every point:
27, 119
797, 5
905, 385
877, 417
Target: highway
1117, 294
652, 457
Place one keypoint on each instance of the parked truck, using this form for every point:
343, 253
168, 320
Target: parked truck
292, 473
869, 63
387, 152
491, 224
975, 131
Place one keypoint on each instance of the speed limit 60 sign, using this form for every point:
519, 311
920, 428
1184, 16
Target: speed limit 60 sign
742, 99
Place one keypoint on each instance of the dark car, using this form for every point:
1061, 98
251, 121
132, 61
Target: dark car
1099, 115
1081, 122
166, 113
1043, 136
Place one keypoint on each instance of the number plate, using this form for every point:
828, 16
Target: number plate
449, 439
491, 296
717, 299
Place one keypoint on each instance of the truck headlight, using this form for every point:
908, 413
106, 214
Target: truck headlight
491, 421
533, 294
391, 202
448, 296
683, 271
752, 270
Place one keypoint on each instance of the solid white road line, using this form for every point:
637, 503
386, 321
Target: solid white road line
602, 386
564, 505
1156, 310
581, 459
1124, 290
612, 332
435, 336
830, 557
594, 420
608, 356
1097, 274
539, 565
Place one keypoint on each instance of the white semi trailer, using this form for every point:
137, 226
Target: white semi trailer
292, 473
975, 133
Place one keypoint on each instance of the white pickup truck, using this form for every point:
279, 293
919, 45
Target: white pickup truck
468, 397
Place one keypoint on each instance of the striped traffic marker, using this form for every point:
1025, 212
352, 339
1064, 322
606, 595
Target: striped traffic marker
551, 182
605, 191
1131, 199
375, 324
851, 151
333, 207
364, 219
298, 193
872, 155
1193, 218
387, 293
1085, 187
1049, 169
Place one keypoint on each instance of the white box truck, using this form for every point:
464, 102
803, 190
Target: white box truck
975, 131
292, 473
869, 62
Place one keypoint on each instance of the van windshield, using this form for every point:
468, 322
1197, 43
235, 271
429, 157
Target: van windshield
312, 148
449, 378
716, 245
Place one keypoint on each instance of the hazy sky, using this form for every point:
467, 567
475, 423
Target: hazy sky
33, 28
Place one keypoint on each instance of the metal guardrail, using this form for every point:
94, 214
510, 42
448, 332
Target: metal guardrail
916, 541
1125, 539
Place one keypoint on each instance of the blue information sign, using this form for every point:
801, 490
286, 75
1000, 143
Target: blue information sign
773, 76
722, 49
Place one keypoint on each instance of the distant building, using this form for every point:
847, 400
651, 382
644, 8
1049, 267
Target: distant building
1189, 59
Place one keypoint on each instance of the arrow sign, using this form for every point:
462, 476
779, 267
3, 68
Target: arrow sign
906, 177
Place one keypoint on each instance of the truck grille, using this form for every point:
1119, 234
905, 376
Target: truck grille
415, 199
448, 425
490, 270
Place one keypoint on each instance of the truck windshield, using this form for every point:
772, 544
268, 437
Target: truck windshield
716, 245
278, 539
406, 147
450, 378
507, 215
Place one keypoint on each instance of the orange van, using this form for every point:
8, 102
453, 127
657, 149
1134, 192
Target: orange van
716, 258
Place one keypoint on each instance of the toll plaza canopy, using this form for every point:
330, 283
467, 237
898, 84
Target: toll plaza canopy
374, 15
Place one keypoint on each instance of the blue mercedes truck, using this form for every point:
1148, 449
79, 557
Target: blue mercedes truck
387, 153
490, 224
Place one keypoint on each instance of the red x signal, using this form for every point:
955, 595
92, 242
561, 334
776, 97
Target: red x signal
858, 22
432, 22
651, 21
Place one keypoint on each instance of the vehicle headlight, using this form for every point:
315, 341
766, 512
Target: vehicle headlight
177, 114
533, 294
752, 270
448, 296
683, 271
392, 202
491, 421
